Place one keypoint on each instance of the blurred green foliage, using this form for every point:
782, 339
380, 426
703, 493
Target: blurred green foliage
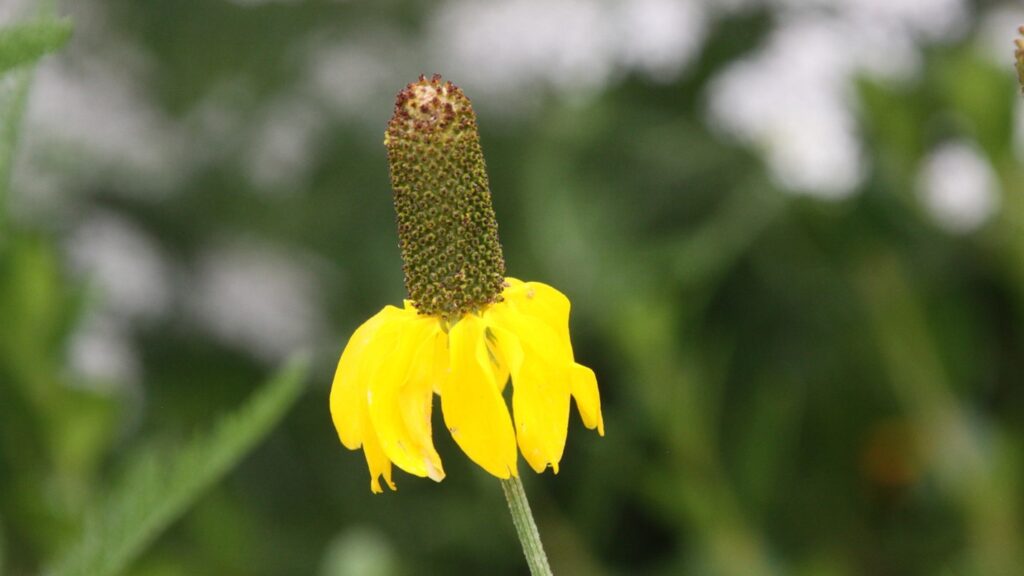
25, 43
791, 386
162, 484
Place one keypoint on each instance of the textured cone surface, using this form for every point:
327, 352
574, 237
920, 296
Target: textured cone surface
446, 227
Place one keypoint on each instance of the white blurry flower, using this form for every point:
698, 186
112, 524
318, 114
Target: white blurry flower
658, 37
790, 101
259, 299
125, 264
12, 11
931, 20
572, 46
997, 31
90, 119
349, 76
102, 354
958, 187
793, 98
1018, 129
501, 47
282, 147
360, 552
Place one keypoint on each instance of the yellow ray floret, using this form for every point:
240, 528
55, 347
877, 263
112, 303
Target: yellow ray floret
381, 399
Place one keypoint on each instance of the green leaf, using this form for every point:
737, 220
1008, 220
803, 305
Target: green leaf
26, 43
13, 97
158, 488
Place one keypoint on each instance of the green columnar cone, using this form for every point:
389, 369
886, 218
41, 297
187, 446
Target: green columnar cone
446, 227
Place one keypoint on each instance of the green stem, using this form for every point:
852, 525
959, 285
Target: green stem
526, 528
12, 108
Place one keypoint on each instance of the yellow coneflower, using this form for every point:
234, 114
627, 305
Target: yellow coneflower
466, 329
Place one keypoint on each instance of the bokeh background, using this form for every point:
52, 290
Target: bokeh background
792, 233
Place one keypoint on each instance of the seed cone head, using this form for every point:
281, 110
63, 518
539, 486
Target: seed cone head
446, 227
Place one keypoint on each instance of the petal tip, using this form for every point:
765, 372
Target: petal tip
375, 485
435, 473
538, 467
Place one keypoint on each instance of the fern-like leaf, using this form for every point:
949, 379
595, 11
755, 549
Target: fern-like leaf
158, 489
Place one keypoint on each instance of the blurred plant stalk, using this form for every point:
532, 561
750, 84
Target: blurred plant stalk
951, 446
692, 486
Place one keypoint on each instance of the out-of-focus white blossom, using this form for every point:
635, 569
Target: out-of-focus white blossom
958, 187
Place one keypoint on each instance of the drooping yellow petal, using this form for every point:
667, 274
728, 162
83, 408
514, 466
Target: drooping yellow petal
588, 400
410, 451
376, 460
430, 364
473, 408
551, 306
540, 367
348, 392
383, 389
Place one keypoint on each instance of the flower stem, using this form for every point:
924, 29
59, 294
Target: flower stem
526, 528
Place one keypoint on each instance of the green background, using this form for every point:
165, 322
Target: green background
791, 384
